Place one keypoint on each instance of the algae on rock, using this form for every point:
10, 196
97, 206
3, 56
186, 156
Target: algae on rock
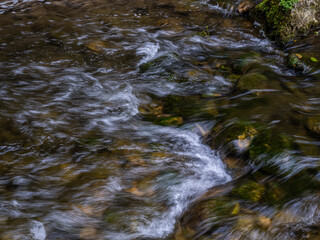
251, 191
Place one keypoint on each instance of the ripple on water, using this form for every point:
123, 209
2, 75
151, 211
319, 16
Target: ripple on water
78, 160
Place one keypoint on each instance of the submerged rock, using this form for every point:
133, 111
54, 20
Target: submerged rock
313, 126
151, 109
252, 81
263, 148
272, 152
167, 121
268, 145
250, 191
234, 138
258, 205
237, 166
99, 46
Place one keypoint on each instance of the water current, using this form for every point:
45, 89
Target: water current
154, 120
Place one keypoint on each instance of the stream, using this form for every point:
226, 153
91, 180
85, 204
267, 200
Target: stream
154, 119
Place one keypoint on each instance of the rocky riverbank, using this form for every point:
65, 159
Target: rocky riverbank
284, 19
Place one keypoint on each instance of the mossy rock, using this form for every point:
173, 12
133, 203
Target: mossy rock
150, 110
285, 19
235, 138
221, 206
168, 121
252, 81
190, 106
184, 106
268, 145
251, 191
174, 109
294, 62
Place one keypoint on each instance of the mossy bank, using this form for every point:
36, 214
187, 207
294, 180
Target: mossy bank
286, 19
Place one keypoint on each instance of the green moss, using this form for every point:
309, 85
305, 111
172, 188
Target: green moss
239, 130
277, 15
167, 121
252, 81
184, 106
288, 4
251, 191
220, 206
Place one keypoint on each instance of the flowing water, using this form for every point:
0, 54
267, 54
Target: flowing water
122, 120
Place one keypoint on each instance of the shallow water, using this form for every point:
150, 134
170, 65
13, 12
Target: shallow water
112, 111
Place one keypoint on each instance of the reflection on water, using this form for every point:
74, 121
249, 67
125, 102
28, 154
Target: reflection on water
153, 120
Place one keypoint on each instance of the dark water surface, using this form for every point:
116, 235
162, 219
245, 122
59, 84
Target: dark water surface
154, 120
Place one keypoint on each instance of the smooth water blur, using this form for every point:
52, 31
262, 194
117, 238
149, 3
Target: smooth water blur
106, 112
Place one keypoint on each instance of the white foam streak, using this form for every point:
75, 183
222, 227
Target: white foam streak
207, 171
38, 231
149, 51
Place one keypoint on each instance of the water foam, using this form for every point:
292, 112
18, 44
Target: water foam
148, 51
202, 170
37, 230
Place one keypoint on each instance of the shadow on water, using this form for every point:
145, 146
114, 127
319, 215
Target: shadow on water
154, 120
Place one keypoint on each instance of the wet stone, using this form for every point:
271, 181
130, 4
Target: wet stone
237, 166
246, 6
313, 126
245, 223
98, 46
264, 222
